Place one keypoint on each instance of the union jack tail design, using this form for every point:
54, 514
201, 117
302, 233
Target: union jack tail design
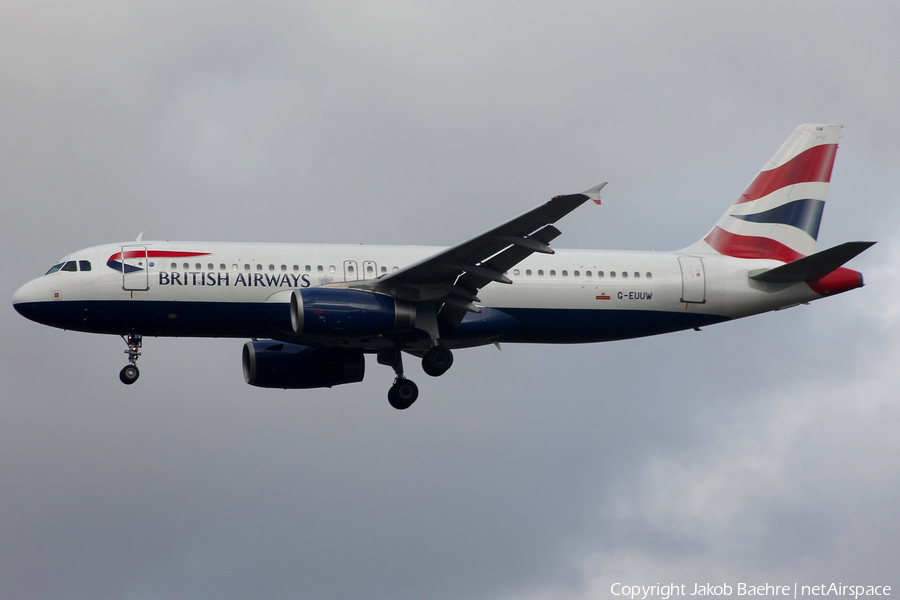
778, 215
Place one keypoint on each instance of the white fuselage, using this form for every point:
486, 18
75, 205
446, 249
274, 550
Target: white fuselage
203, 289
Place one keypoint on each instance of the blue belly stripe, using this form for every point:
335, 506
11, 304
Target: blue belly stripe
272, 320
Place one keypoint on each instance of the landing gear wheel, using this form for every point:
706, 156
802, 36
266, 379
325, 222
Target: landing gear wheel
437, 360
402, 394
129, 374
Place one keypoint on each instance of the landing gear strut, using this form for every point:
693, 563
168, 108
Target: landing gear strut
130, 373
404, 392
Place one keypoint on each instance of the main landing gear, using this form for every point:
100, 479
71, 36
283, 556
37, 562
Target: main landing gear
404, 392
437, 360
130, 373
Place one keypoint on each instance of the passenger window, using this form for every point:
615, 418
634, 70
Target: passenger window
384, 269
637, 275
528, 272
259, 267
552, 273
648, 275
576, 273
331, 269
284, 267
210, 267
612, 274
587, 273
222, 266
624, 274
565, 273
296, 268
234, 267
540, 272
516, 272
308, 269
246, 266
320, 269
84, 265
396, 268
197, 266
187, 267
600, 274
271, 267
70, 266
54, 268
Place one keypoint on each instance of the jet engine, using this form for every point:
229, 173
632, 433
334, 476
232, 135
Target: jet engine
271, 364
341, 311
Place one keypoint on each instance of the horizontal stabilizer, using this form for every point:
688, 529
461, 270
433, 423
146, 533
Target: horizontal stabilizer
815, 266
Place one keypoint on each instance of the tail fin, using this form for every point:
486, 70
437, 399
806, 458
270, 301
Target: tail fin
778, 215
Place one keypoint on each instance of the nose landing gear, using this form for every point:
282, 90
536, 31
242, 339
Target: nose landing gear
130, 373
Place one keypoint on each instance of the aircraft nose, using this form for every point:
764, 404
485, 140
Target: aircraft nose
25, 297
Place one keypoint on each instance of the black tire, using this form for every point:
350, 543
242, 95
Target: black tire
129, 374
437, 361
403, 394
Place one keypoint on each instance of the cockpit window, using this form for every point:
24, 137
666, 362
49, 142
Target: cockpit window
71, 266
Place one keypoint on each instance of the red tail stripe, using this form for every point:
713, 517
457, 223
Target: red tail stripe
811, 165
745, 246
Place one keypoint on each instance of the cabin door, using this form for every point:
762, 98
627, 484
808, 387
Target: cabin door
135, 269
693, 279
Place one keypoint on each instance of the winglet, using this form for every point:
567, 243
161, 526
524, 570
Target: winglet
594, 192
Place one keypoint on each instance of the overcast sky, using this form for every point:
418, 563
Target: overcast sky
764, 450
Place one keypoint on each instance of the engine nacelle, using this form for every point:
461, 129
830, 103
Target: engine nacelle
341, 311
273, 364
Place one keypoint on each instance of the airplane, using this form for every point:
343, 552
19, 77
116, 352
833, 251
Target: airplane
312, 312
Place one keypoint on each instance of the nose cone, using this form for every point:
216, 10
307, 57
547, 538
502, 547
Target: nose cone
25, 300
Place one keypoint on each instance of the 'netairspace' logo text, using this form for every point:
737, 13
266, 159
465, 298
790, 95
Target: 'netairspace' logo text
670, 590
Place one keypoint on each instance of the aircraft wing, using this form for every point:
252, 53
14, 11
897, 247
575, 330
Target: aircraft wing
454, 276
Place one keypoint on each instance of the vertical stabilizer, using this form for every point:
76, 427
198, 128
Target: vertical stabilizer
778, 215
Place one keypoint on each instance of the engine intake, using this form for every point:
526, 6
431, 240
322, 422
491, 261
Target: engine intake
340, 311
293, 366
